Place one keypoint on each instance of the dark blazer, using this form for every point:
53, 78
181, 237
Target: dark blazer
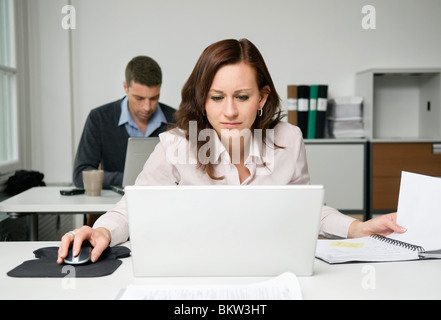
104, 142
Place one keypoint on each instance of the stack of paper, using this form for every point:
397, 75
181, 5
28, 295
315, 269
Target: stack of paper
345, 117
283, 287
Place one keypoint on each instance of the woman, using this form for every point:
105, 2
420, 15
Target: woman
228, 131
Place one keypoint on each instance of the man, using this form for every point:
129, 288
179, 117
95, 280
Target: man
108, 128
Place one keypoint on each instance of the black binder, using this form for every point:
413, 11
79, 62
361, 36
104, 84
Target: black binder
322, 103
303, 109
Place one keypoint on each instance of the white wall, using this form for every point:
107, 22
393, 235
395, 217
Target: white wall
302, 41
50, 117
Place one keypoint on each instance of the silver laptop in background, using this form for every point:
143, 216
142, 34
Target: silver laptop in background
138, 151
223, 230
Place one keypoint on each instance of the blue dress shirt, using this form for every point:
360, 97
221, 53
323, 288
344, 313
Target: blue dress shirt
132, 128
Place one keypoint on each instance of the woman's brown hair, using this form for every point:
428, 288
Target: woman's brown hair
195, 91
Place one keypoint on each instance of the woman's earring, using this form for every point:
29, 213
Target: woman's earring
260, 112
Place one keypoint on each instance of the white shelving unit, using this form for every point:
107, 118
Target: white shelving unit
401, 104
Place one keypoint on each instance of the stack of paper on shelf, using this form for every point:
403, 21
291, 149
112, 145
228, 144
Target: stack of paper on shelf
345, 117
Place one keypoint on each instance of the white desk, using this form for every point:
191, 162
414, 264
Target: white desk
397, 280
47, 200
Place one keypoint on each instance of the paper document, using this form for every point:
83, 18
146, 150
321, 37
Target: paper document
283, 287
419, 208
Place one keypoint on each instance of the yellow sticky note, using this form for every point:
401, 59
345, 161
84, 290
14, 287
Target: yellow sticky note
343, 244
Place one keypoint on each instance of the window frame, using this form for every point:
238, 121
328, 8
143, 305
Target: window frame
19, 91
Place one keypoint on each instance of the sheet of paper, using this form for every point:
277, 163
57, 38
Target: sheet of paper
283, 287
419, 210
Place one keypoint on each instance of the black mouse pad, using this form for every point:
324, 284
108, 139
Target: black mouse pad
46, 266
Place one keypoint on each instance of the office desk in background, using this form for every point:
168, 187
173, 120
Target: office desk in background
395, 280
47, 200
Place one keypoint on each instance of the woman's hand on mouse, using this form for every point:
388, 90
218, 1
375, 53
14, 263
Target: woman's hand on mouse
99, 239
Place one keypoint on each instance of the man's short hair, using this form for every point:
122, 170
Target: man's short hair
143, 70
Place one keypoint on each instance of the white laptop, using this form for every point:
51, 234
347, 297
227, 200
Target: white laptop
223, 230
138, 151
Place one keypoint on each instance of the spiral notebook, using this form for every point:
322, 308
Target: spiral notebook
418, 211
375, 248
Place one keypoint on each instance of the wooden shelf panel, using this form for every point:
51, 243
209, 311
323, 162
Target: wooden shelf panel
389, 160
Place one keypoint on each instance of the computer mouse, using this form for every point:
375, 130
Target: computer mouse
82, 258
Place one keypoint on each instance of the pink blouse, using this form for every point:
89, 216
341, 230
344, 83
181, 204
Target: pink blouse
173, 162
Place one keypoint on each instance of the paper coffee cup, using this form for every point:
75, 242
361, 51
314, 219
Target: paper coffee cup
93, 182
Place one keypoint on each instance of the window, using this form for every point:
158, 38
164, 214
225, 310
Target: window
9, 155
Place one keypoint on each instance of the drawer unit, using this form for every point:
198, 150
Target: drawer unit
389, 159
